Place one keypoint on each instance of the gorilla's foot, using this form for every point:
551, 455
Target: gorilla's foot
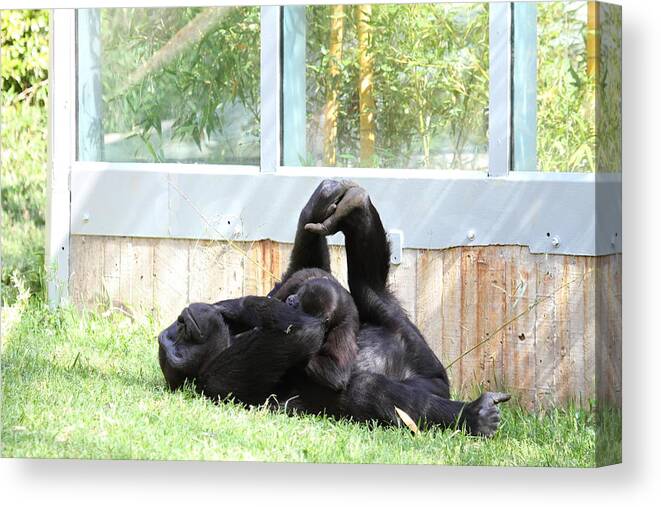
483, 414
346, 197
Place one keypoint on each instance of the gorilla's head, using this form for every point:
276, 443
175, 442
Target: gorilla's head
319, 297
197, 334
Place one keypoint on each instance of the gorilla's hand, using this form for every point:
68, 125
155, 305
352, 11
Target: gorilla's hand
334, 201
483, 414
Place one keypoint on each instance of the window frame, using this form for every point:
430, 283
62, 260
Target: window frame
563, 213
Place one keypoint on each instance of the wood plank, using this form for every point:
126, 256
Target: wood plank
429, 299
285, 254
171, 272
451, 315
86, 275
608, 317
601, 328
563, 339
216, 271
589, 329
493, 287
519, 335
262, 268
571, 362
136, 280
549, 279
470, 365
402, 281
112, 269
615, 312
338, 261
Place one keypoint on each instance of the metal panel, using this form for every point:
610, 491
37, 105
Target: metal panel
131, 200
524, 83
270, 89
500, 79
61, 150
433, 209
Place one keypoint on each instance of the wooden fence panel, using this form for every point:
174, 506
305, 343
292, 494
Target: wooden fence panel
532, 317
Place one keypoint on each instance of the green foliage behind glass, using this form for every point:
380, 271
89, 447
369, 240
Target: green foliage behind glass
191, 90
430, 82
565, 94
609, 91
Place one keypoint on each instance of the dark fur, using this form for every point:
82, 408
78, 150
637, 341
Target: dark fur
317, 293
270, 342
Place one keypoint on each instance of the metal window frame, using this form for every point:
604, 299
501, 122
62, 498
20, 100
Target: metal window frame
548, 212
62, 134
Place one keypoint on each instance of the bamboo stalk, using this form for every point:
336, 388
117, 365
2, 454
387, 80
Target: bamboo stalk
593, 42
365, 87
332, 107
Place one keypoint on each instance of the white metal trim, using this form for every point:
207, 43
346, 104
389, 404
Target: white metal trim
61, 150
525, 209
500, 87
270, 85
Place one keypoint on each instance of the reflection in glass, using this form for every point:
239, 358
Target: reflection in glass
565, 88
609, 89
159, 85
386, 86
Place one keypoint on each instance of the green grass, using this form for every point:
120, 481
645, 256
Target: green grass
87, 385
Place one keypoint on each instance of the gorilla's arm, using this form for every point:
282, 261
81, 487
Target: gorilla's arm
278, 338
263, 312
333, 364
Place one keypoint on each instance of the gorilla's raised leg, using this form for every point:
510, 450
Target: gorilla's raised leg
374, 397
368, 251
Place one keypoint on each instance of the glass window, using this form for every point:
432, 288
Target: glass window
169, 85
565, 88
609, 89
392, 86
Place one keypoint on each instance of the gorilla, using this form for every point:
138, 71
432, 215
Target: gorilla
317, 293
255, 347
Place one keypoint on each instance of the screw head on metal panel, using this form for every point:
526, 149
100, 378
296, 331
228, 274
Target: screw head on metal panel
470, 235
555, 241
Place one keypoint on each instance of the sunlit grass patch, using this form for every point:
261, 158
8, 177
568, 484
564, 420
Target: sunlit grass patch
88, 385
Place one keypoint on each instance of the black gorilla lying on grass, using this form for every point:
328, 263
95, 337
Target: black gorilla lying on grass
305, 344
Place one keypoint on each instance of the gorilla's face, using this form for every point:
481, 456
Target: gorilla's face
198, 332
